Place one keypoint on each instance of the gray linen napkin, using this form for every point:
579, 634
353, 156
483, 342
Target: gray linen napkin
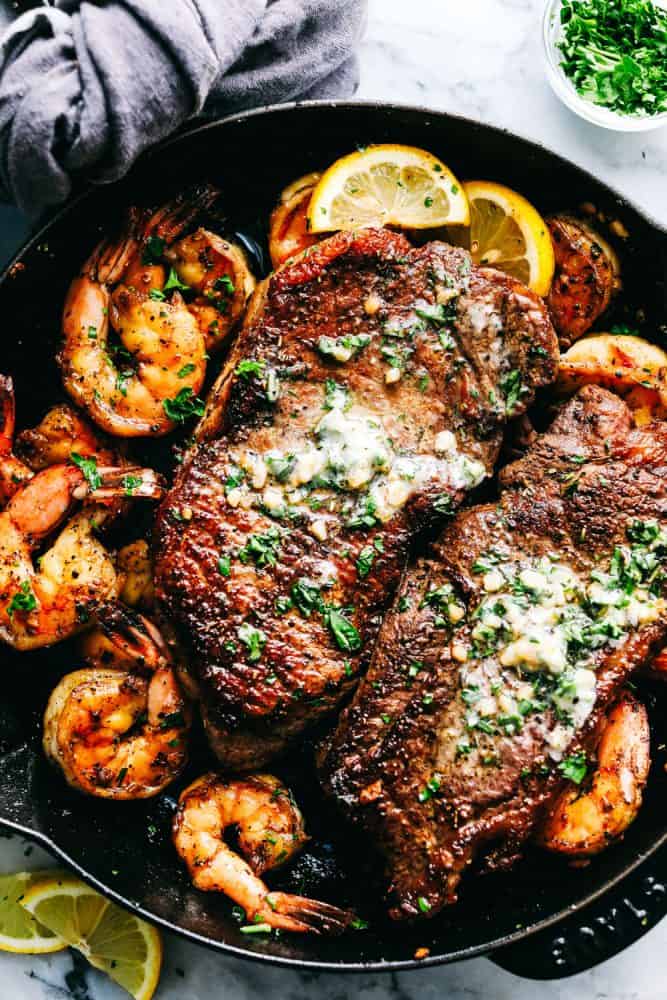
86, 86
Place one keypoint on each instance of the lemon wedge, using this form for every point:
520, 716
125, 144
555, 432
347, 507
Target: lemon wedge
508, 233
128, 949
387, 185
19, 931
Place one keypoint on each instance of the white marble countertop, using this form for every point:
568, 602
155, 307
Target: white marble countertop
481, 58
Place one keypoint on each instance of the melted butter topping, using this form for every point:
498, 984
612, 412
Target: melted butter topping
347, 453
528, 648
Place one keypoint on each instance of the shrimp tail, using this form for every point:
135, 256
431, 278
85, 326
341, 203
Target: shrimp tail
311, 914
128, 481
171, 219
135, 636
7, 414
13, 472
110, 257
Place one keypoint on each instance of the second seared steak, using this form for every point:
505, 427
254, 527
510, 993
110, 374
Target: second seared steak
367, 395
503, 651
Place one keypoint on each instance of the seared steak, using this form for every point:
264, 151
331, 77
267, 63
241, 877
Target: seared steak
495, 666
367, 395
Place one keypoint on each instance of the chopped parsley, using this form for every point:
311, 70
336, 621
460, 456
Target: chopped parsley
262, 549
345, 634
281, 467
513, 389
186, 370
486, 561
224, 566
131, 483
234, 478
122, 378
154, 248
444, 504
253, 639
438, 315
306, 596
365, 560
183, 406
429, 790
88, 465
249, 368
336, 394
438, 597
23, 600
339, 347
173, 283
574, 767
364, 515
615, 54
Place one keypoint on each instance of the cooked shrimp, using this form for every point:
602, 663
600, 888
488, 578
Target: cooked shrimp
13, 472
135, 579
587, 276
98, 650
64, 435
269, 831
147, 384
59, 433
217, 270
584, 822
288, 226
118, 734
626, 364
135, 567
41, 606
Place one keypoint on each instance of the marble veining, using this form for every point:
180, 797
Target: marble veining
481, 58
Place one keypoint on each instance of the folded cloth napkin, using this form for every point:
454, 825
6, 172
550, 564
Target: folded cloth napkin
87, 85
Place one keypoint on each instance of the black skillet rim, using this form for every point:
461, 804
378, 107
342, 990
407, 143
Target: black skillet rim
280, 961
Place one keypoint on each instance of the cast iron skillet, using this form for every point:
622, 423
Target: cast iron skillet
124, 849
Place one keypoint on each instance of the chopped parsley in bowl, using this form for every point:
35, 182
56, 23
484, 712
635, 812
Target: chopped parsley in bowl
607, 60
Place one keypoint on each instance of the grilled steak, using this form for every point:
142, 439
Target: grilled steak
367, 395
495, 666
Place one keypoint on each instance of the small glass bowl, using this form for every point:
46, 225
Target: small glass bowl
567, 92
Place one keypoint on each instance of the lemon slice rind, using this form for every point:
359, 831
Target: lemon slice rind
20, 933
112, 939
387, 185
508, 233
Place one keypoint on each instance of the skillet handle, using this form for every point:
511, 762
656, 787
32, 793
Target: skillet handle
614, 922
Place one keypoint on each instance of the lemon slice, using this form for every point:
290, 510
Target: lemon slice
387, 185
506, 232
113, 940
19, 931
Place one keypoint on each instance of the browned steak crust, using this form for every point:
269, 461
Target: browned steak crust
368, 341
416, 760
